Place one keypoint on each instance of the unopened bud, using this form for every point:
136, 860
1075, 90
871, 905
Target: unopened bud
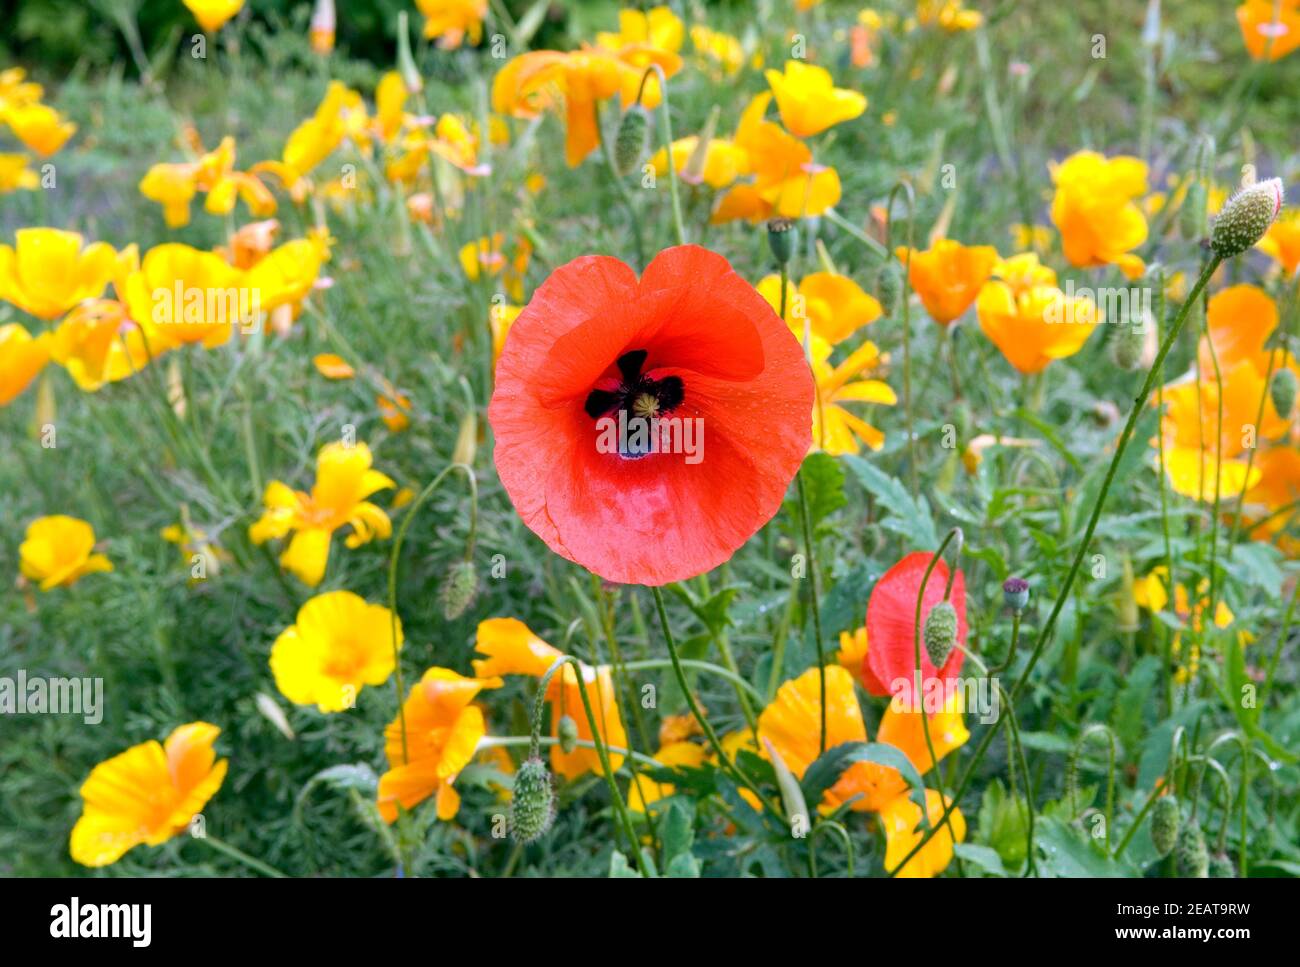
532, 804
1126, 345
940, 632
889, 287
632, 139
1193, 859
567, 732
459, 588
1245, 218
1221, 867
1165, 820
1282, 390
1015, 592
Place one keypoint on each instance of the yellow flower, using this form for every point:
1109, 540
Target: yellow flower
901, 819
322, 26
852, 651
787, 182
950, 15
1024, 272
38, 126
332, 366
1282, 240
902, 728
390, 102
21, 360
948, 276
678, 728
513, 649
792, 724
97, 343
1094, 209
286, 275
449, 21
501, 317
172, 185
338, 645
1035, 326
344, 480
212, 14
15, 175
250, 243
1151, 592
658, 28
834, 306
394, 409
835, 430
47, 272
442, 731
182, 296
724, 161
15, 90
1270, 28
719, 50
147, 794
643, 792
809, 101
58, 551
1036, 237
340, 114
488, 257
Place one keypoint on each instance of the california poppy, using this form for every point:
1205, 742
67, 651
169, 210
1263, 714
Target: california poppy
690, 341
891, 625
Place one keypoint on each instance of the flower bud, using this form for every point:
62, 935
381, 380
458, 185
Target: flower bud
466, 440
940, 632
1165, 820
889, 287
1193, 859
1222, 868
1245, 218
1015, 592
1126, 345
632, 139
532, 805
1282, 389
567, 732
782, 236
405, 59
459, 588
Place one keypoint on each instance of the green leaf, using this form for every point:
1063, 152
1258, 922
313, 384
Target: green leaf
1064, 853
1256, 564
1129, 720
985, 858
1086, 494
910, 518
844, 607
678, 831
619, 868
828, 768
823, 485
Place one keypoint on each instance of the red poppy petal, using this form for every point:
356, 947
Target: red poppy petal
891, 623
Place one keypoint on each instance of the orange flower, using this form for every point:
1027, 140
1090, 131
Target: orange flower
948, 276
21, 360
513, 649
644, 792
1282, 240
1270, 28
1034, 327
834, 305
902, 728
147, 794
442, 733
450, 21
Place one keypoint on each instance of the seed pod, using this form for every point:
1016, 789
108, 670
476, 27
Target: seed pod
889, 287
1282, 390
1015, 593
1245, 218
940, 632
532, 805
632, 139
459, 588
567, 732
782, 235
1165, 820
1193, 859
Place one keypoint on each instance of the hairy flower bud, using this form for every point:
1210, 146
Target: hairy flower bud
1165, 820
459, 588
940, 632
532, 805
1222, 868
1282, 390
567, 732
1193, 859
632, 139
889, 287
1126, 346
1245, 218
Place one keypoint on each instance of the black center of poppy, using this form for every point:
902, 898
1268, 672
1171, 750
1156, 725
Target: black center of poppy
637, 393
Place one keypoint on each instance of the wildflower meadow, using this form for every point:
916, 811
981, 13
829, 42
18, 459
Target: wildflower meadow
527, 438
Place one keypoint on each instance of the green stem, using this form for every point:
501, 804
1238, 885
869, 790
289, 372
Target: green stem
810, 549
237, 854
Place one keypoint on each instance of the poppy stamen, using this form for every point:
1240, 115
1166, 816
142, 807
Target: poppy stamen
638, 394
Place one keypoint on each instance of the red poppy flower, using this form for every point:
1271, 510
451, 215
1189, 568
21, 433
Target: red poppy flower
692, 346
891, 624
